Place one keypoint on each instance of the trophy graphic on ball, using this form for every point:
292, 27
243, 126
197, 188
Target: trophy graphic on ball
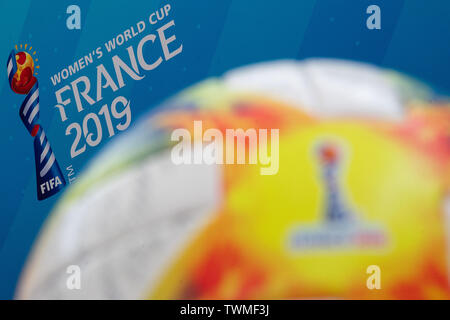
22, 80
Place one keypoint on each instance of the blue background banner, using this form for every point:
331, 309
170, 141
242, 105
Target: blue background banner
216, 36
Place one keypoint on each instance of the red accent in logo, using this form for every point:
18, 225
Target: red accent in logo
328, 154
35, 130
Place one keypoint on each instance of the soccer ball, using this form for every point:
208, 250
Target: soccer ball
24, 78
356, 210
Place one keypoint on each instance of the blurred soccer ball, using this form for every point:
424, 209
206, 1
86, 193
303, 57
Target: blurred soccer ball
363, 180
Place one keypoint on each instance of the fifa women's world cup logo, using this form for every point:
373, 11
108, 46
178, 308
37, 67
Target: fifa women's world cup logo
20, 67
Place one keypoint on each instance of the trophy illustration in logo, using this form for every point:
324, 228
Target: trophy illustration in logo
337, 209
22, 80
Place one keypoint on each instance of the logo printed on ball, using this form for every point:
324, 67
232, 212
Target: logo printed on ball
22, 80
342, 226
